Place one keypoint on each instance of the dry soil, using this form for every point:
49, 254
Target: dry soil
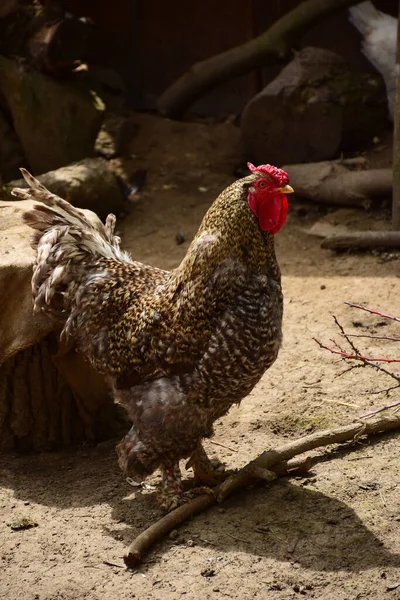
334, 535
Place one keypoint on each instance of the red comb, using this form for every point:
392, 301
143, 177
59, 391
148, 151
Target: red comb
280, 176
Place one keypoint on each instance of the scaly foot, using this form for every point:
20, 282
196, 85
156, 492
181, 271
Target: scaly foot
206, 471
170, 495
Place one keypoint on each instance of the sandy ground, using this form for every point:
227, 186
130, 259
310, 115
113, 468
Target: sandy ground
334, 535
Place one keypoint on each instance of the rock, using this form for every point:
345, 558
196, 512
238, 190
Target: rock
86, 184
313, 109
23, 523
57, 123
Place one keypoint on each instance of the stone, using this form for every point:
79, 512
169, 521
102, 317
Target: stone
315, 108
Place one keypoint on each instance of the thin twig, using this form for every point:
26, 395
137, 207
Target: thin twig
222, 445
352, 404
240, 480
383, 499
344, 354
356, 355
374, 337
373, 312
342, 331
378, 410
239, 539
112, 564
386, 390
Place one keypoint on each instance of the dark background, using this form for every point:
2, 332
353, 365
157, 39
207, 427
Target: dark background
150, 43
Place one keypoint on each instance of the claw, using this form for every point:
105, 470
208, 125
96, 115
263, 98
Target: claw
210, 472
198, 491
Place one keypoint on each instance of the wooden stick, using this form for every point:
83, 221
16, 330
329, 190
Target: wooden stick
362, 240
309, 442
396, 140
268, 460
172, 520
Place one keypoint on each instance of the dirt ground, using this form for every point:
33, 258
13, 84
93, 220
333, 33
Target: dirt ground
333, 535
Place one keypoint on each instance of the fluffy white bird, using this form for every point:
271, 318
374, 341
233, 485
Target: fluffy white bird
379, 31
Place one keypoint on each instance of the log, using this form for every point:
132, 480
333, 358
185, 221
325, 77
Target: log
50, 39
362, 240
59, 46
274, 45
56, 123
340, 182
86, 184
313, 109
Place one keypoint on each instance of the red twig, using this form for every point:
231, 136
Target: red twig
374, 337
364, 361
356, 356
373, 312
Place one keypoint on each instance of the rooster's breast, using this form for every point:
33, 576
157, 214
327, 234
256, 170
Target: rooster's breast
244, 345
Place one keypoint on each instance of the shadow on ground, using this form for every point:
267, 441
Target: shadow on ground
286, 521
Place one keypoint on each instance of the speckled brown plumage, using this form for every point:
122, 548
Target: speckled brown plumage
178, 348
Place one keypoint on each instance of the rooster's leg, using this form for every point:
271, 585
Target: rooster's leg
206, 471
170, 495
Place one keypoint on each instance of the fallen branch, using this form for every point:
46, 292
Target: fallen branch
275, 44
267, 461
340, 182
362, 240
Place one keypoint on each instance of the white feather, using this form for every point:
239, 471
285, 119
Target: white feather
379, 31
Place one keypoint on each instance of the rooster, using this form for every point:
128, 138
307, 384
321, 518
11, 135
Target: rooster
177, 348
379, 31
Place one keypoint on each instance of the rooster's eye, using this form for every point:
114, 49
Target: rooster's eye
261, 184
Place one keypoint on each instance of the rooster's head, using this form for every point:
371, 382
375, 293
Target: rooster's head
267, 196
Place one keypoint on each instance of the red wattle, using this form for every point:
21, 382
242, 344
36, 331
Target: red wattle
283, 214
270, 213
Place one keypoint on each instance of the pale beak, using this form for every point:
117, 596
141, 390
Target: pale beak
286, 190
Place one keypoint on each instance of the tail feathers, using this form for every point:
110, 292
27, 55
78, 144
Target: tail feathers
63, 212
68, 242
